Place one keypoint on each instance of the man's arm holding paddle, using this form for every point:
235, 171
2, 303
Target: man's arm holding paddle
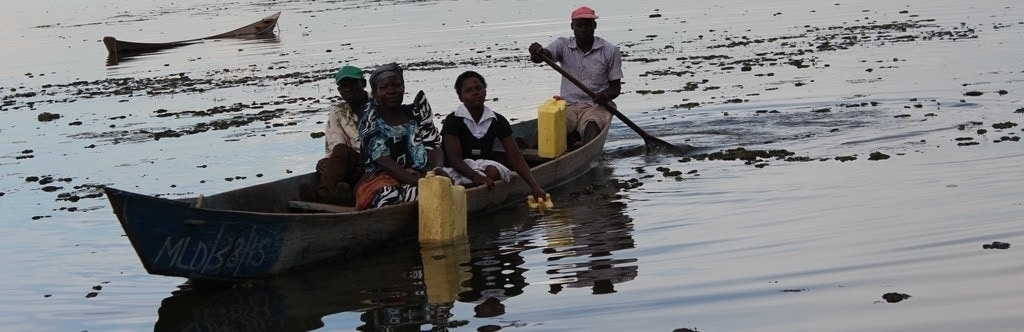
539, 54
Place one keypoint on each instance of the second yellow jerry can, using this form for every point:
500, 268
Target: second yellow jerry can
551, 135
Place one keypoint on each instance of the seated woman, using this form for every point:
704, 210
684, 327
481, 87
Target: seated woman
468, 134
399, 142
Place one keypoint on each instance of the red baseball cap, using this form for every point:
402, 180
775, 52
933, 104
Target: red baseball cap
584, 13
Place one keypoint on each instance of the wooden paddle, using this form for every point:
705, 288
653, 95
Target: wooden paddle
652, 143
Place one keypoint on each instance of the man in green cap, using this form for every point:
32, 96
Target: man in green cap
340, 170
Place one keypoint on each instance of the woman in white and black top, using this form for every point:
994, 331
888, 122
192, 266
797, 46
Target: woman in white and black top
468, 136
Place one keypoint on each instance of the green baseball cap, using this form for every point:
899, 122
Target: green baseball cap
348, 72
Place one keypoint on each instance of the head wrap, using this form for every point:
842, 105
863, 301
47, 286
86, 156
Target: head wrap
382, 72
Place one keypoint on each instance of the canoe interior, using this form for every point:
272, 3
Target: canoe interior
274, 197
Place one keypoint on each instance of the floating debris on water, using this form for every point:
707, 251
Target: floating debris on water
895, 297
996, 245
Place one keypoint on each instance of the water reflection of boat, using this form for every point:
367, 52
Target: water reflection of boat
397, 290
252, 42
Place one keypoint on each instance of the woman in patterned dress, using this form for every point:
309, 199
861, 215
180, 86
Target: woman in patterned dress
399, 142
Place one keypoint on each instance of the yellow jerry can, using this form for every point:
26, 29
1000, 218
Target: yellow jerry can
442, 211
551, 134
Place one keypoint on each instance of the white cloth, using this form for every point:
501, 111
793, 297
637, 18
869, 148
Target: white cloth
477, 165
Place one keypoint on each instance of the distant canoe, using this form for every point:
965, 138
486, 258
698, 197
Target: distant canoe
259, 28
117, 48
263, 230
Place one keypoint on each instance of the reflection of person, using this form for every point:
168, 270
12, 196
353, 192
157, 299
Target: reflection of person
398, 318
594, 61
497, 276
340, 169
399, 142
489, 308
469, 133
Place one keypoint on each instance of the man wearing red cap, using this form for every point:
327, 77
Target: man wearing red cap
592, 60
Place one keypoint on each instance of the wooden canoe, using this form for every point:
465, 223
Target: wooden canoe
117, 48
262, 27
257, 231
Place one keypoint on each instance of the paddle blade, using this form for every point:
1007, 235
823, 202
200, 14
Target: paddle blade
656, 145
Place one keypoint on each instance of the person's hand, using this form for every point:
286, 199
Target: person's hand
601, 98
321, 165
536, 49
539, 194
439, 171
479, 179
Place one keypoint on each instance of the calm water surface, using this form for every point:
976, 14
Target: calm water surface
641, 243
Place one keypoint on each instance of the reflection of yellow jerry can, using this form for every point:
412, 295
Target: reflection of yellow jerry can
560, 232
551, 128
442, 209
444, 270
